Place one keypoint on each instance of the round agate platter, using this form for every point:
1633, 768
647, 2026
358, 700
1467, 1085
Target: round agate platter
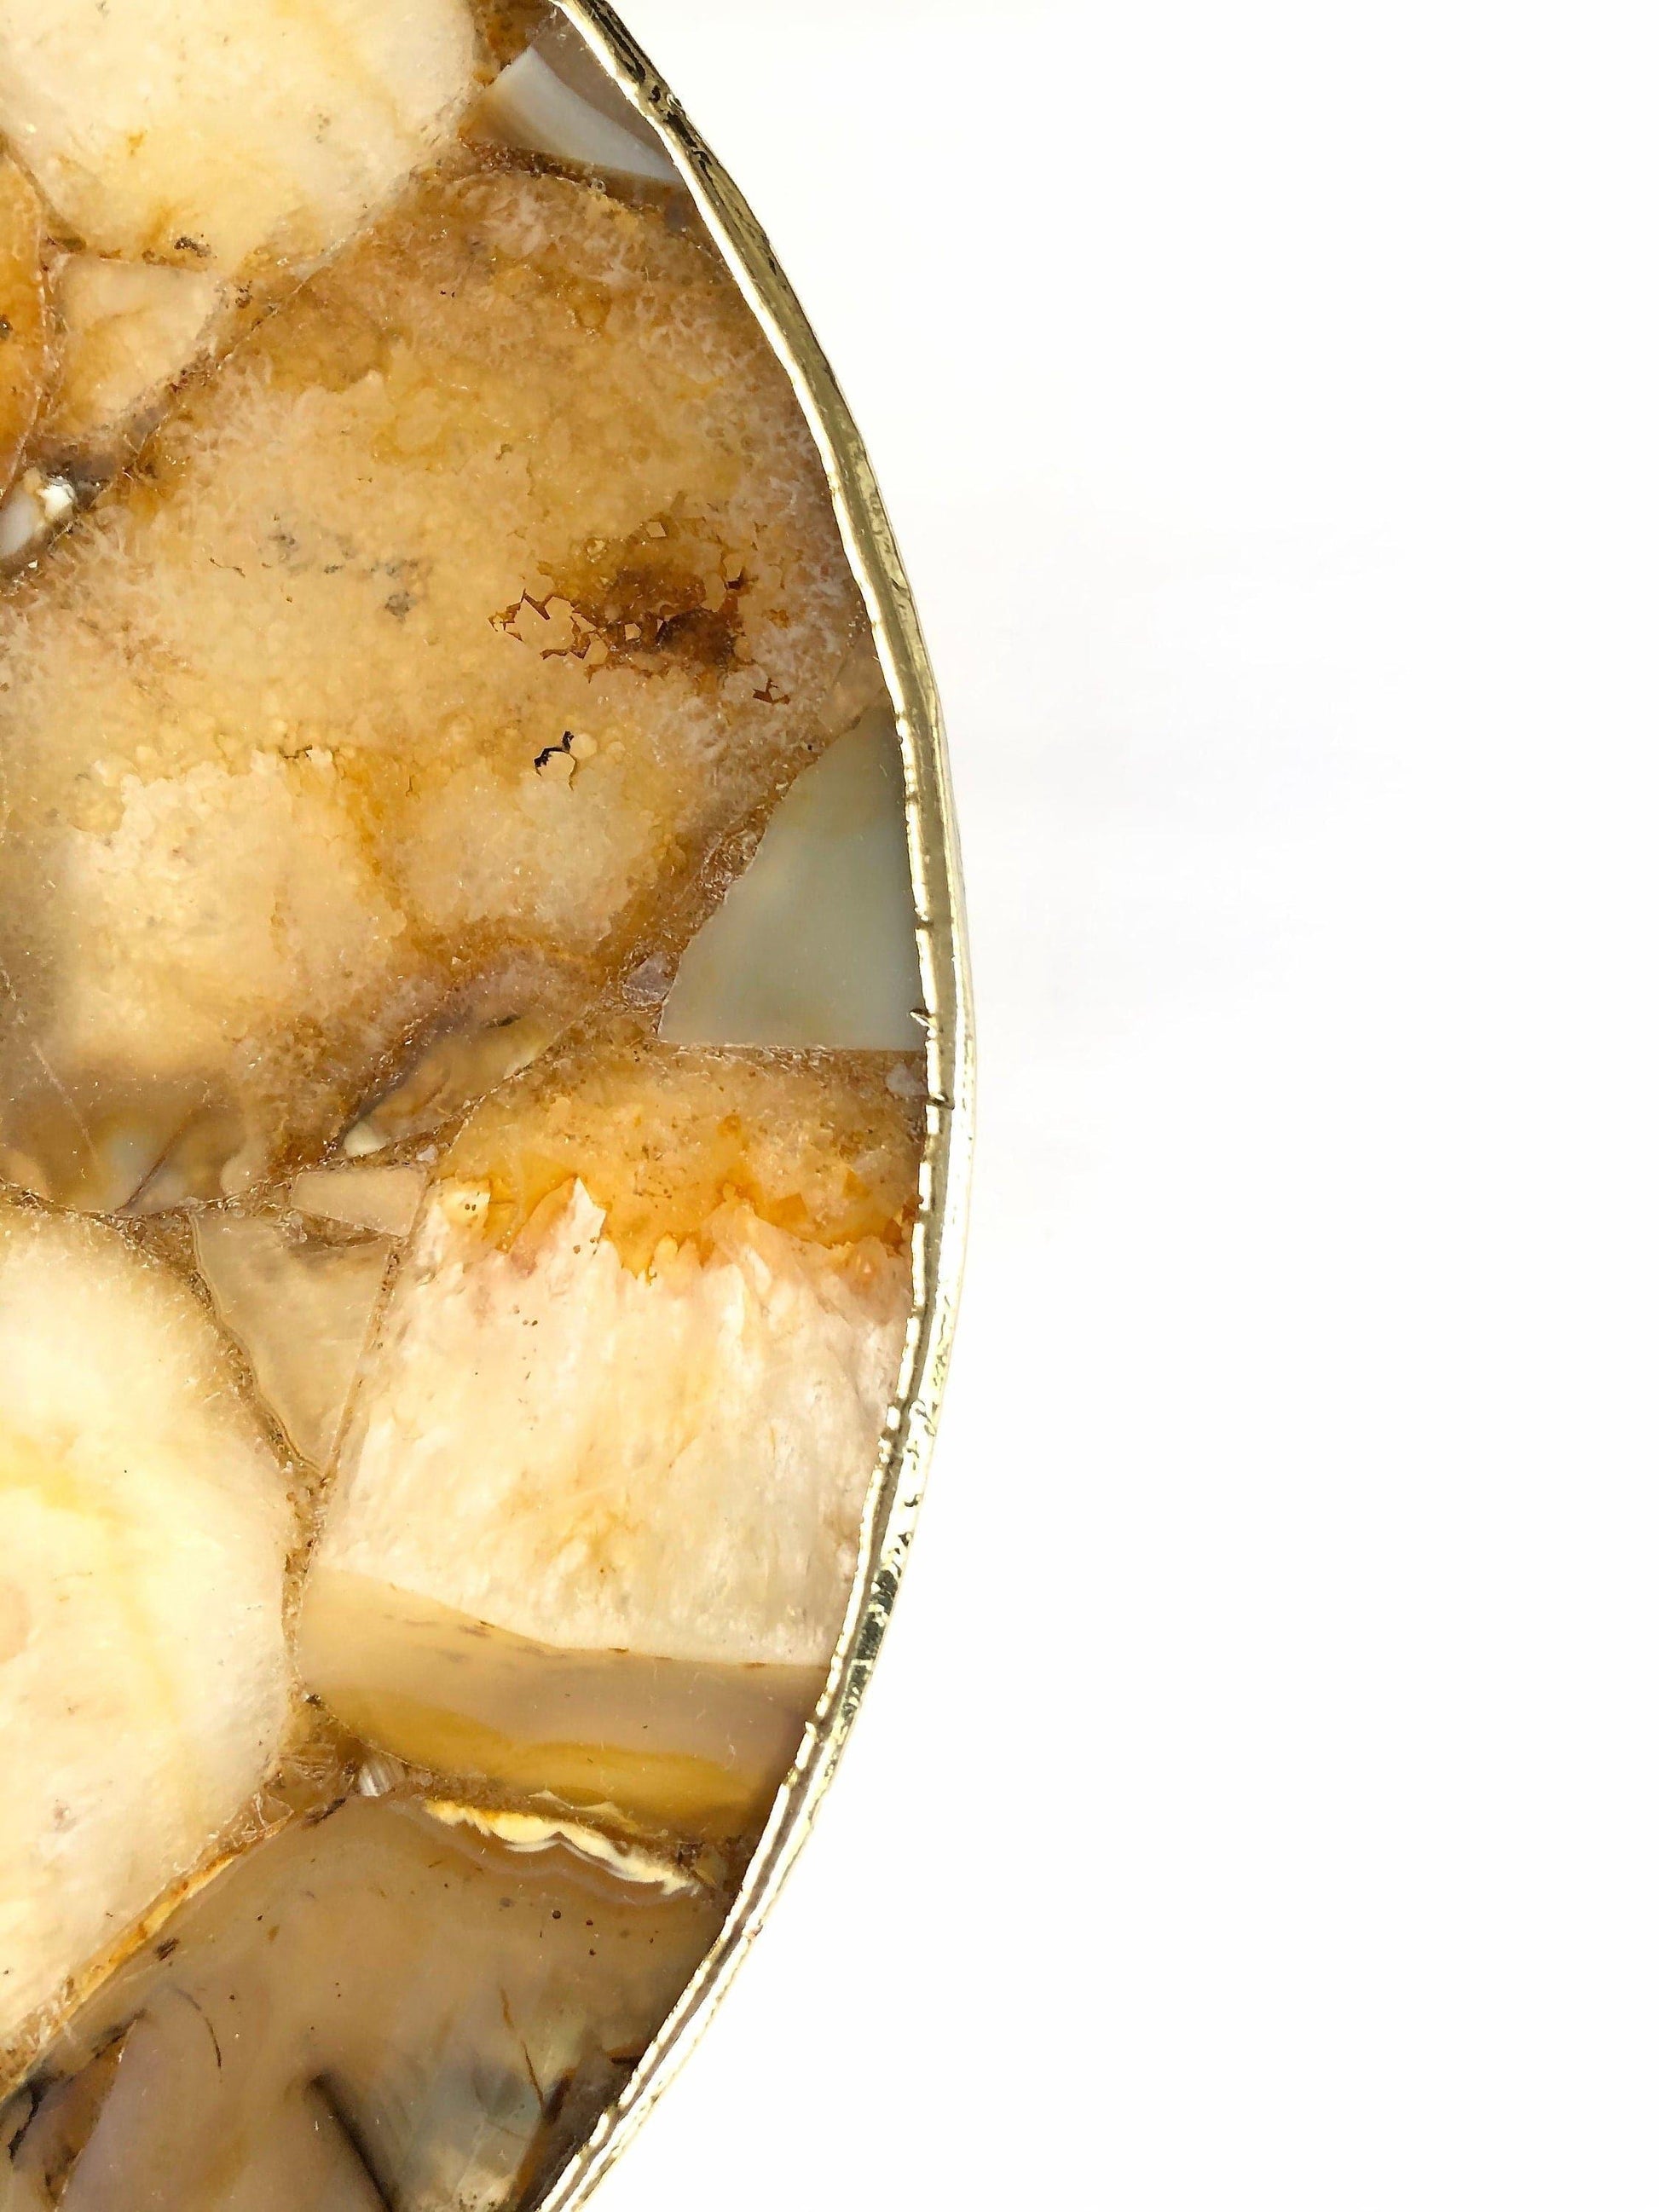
484, 1061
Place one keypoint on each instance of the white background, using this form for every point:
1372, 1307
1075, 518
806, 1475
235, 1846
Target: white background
1257, 1805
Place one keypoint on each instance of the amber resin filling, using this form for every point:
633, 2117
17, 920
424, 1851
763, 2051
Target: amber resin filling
461, 1100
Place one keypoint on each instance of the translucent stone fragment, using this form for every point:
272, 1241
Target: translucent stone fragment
383, 1199
43, 2129
300, 1310
302, 2154
505, 519
374, 2010
144, 1678
34, 510
598, 1505
629, 1860
507, 27
128, 331
530, 104
688, 1746
447, 1077
817, 944
156, 130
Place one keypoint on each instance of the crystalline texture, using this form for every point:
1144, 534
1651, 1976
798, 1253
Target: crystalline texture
302, 1309
598, 1510
162, 128
446, 632
129, 330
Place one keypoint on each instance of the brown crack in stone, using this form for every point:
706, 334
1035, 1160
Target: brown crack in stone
669, 595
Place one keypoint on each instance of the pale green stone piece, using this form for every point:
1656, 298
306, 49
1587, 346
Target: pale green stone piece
816, 944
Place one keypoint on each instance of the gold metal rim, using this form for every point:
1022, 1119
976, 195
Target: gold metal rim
907, 1446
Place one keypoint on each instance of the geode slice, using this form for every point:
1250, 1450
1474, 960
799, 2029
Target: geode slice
456, 1264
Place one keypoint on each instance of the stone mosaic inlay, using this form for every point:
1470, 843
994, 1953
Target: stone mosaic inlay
462, 1099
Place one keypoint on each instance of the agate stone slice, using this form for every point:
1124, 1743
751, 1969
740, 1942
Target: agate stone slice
482, 1068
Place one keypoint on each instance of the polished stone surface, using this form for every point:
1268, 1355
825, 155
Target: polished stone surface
461, 1102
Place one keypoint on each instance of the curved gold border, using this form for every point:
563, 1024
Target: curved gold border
895, 1491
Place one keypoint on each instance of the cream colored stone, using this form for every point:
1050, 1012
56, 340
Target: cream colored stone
144, 1678
694, 1747
598, 1505
672, 1463
129, 330
301, 1311
446, 1079
374, 2010
33, 513
171, 129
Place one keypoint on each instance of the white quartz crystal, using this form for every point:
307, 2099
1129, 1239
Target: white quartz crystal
128, 330
672, 1462
196, 134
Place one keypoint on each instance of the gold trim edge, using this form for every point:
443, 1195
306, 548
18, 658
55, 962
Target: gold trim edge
936, 873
